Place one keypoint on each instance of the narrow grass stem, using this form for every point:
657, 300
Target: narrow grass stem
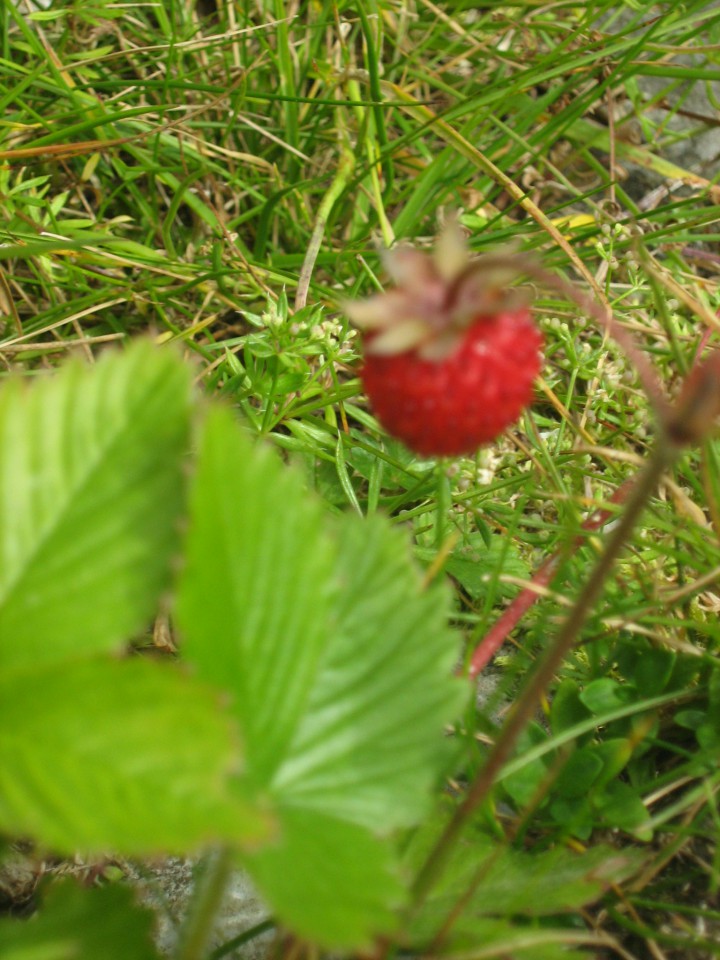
346, 163
444, 502
206, 902
524, 707
230, 946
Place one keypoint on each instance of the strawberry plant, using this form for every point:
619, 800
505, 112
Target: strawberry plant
279, 734
301, 731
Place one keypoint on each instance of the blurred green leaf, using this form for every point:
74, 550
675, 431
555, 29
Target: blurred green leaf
567, 708
620, 806
614, 755
575, 816
708, 732
690, 719
506, 882
653, 671
482, 939
91, 488
130, 756
604, 695
329, 880
339, 668
254, 598
475, 562
80, 923
714, 694
369, 746
522, 785
579, 773
552, 881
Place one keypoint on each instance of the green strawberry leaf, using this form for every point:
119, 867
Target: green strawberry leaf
329, 880
567, 709
91, 487
75, 923
553, 881
338, 666
254, 597
368, 747
131, 756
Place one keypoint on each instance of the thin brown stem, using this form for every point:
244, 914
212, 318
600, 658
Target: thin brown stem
542, 676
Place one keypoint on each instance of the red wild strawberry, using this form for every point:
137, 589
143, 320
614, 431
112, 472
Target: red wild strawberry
451, 352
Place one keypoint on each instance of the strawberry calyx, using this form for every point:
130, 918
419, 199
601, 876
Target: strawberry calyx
436, 298
451, 352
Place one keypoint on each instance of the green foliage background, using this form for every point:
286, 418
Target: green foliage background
222, 175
